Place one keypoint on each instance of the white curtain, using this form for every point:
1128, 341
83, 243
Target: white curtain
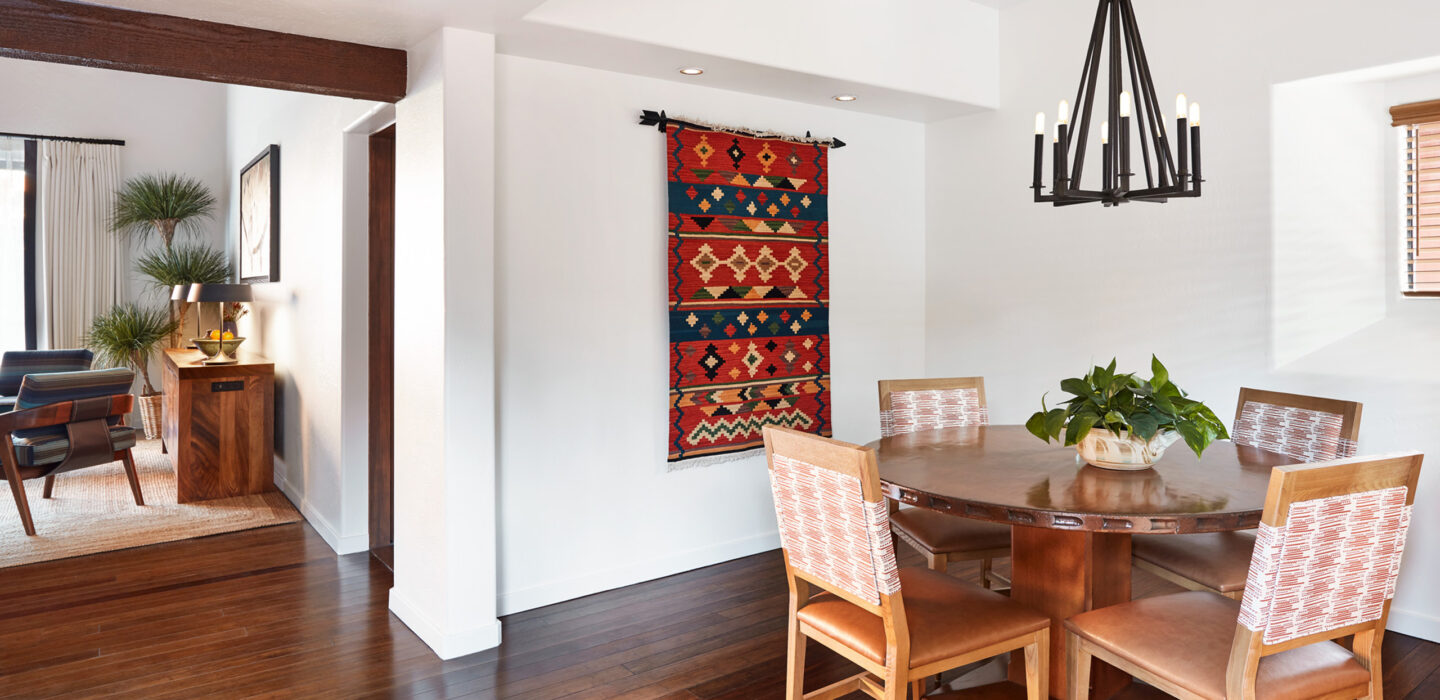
82, 262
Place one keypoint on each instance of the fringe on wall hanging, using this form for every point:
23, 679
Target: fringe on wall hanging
660, 119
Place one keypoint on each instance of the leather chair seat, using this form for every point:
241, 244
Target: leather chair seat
947, 617
1185, 639
1217, 560
943, 533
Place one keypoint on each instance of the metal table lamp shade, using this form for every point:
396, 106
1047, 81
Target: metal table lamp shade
221, 294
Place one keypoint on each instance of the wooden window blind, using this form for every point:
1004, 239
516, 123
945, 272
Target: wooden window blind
1421, 274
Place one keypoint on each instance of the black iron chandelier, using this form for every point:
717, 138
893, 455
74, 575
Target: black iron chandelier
1171, 176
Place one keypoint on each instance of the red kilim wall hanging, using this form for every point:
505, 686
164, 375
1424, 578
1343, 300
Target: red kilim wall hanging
749, 288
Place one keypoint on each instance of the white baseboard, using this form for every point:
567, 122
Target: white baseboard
342, 544
1415, 624
445, 646
587, 583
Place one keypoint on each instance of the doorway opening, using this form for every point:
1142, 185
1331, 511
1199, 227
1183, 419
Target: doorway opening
382, 346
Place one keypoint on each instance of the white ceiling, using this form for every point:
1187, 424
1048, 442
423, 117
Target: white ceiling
561, 33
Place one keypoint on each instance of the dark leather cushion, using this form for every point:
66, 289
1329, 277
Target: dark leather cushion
942, 533
946, 616
1185, 639
1218, 560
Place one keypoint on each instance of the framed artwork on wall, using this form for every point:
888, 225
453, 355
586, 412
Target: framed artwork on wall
259, 254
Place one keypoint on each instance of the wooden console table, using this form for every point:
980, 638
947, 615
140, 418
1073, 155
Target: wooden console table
219, 425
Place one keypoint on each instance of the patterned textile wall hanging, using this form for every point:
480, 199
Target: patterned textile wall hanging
749, 290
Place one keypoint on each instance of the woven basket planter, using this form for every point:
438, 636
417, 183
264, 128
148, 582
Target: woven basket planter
150, 411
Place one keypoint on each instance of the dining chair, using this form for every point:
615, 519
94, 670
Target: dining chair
65, 421
1304, 428
1325, 562
909, 405
899, 625
15, 364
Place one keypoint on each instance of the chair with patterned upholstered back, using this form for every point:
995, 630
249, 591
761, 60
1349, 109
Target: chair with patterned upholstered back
15, 364
1325, 563
899, 625
910, 405
65, 421
1305, 428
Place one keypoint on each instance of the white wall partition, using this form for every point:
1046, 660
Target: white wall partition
586, 502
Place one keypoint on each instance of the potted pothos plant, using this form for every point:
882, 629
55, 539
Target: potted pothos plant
1119, 421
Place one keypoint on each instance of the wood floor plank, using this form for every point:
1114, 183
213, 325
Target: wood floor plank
273, 613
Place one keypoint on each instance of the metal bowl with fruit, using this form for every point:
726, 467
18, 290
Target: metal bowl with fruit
218, 348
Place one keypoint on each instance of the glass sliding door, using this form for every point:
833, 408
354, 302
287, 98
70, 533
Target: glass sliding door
13, 248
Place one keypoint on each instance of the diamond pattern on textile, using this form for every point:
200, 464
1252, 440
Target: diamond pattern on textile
831, 532
931, 409
1334, 563
1303, 434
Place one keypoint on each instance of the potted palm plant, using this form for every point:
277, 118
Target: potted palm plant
1119, 421
183, 264
159, 205
128, 335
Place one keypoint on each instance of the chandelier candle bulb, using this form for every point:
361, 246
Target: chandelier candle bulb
1039, 155
1040, 123
1194, 114
1125, 103
1064, 117
1182, 107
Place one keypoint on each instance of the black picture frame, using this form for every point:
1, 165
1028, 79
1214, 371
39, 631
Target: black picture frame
262, 169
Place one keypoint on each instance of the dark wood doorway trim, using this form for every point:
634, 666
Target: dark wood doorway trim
382, 344
60, 31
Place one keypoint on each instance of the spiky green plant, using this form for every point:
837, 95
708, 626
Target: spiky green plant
184, 264
127, 335
161, 203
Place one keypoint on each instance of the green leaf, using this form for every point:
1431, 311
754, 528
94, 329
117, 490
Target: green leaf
1114, 417
1076, 386
1144, 425
1159, 375
1194, 437
1055, 422
1079, 427
1036, 426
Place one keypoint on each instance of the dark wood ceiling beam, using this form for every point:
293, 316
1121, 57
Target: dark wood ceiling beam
104, 37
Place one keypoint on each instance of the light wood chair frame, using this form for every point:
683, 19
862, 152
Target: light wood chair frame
891, 680
1289, 484
940, 561
1349, 412
49, 415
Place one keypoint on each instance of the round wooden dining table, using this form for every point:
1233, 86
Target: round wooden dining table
1072, 522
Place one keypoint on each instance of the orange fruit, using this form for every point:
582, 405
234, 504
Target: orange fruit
227, 335
214, 335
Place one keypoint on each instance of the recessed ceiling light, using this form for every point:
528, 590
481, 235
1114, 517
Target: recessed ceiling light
692, 71
844, 98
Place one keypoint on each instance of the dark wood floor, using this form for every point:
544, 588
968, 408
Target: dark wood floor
274, 612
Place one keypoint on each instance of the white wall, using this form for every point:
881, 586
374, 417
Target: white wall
296, 322
586, 502
168, 125
1026, 294
445, 409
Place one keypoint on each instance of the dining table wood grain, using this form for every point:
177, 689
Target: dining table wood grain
1072, 523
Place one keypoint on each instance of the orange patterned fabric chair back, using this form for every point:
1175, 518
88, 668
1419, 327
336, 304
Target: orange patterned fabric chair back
909, 405
1330, 561
834, 524
1306, 428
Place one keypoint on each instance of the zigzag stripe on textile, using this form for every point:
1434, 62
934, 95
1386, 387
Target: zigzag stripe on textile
721, 429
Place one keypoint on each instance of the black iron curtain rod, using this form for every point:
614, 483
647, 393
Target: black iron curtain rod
650, 117
72, 139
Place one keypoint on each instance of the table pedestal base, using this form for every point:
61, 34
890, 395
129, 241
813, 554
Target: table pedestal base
1062, 573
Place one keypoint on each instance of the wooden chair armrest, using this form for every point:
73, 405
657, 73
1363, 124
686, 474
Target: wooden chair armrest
57, 414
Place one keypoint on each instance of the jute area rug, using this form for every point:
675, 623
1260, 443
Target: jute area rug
92, 511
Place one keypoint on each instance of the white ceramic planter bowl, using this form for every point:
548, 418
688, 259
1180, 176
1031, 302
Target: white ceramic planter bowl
1127, 452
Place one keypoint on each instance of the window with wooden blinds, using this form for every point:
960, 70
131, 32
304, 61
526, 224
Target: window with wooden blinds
1421, 274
